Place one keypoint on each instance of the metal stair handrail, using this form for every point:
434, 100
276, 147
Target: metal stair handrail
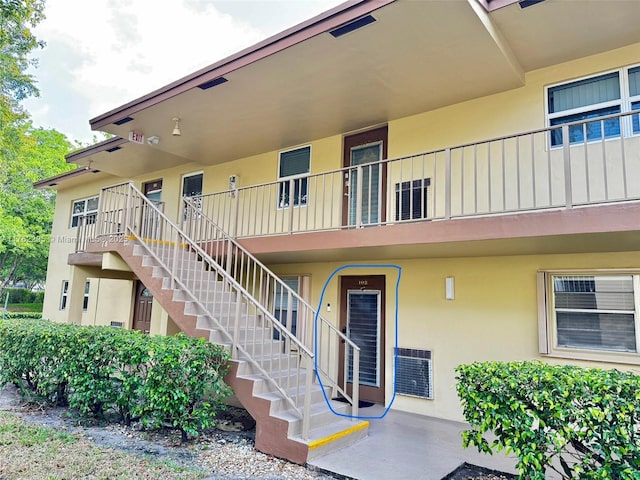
255, 274
126, 212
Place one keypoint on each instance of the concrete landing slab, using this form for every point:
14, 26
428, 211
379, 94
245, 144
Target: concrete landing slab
408, 446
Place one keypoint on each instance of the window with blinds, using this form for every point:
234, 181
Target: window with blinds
595, 312
634, 94
411, 199
285, 305
293, 173
593, 98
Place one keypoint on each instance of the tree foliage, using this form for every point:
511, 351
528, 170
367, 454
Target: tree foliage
578, 422
27, 154
17, 17
25, 213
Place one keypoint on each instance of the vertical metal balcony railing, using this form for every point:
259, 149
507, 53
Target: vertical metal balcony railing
595, 164
86, 231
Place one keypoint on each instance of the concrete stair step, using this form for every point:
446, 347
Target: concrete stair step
330, 438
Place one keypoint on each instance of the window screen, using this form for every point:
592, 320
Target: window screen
294, 166
411, 199
582, 100
595, 312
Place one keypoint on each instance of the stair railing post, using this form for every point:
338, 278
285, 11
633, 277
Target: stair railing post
174, 259
306, 414
236, 326
355, 394
229, 254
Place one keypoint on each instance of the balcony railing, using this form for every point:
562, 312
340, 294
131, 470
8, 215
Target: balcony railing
112, 221
86, 231
531, 171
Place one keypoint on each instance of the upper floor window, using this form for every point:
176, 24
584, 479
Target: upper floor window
594, 315
592, 98
293, 176
86, 207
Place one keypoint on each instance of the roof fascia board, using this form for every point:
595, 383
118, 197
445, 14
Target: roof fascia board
47, 182
317, 25
93, 149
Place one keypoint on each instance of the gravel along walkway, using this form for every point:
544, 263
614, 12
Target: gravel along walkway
225, 453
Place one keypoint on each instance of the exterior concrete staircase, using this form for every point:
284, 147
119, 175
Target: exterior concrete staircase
273, 374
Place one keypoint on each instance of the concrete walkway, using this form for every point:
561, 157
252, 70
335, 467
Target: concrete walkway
408, 446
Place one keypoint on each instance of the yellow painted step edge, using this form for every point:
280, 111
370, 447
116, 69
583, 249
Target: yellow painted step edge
332, 438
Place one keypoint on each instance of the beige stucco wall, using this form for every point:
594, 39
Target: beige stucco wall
110, 301
493, 316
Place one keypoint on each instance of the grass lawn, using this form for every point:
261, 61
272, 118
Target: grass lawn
34, 452
24, 307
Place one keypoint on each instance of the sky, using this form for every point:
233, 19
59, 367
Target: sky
100, 54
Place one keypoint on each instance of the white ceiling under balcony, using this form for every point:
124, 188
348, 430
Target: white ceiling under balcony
416, 56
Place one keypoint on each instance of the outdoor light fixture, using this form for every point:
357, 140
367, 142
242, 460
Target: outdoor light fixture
449, 288
176, 129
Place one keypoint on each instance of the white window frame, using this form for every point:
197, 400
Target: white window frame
301, 200
84, 212
632, 99
198, 201
85, 298
304, 332
624, 102
64, 295
547, 326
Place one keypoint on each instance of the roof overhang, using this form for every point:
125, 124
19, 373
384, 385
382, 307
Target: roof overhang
305, 84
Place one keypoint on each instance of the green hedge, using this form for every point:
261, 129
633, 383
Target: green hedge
581, 423
22, 295
23, 315
175, 382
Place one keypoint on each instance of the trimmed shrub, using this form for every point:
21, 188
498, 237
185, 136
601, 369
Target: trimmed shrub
24, 310
175, 382
184, 386
23, 315
581, 423
22, 295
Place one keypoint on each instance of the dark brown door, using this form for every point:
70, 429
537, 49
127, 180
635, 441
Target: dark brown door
142, 308
364, 199
362, 307
153, 190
